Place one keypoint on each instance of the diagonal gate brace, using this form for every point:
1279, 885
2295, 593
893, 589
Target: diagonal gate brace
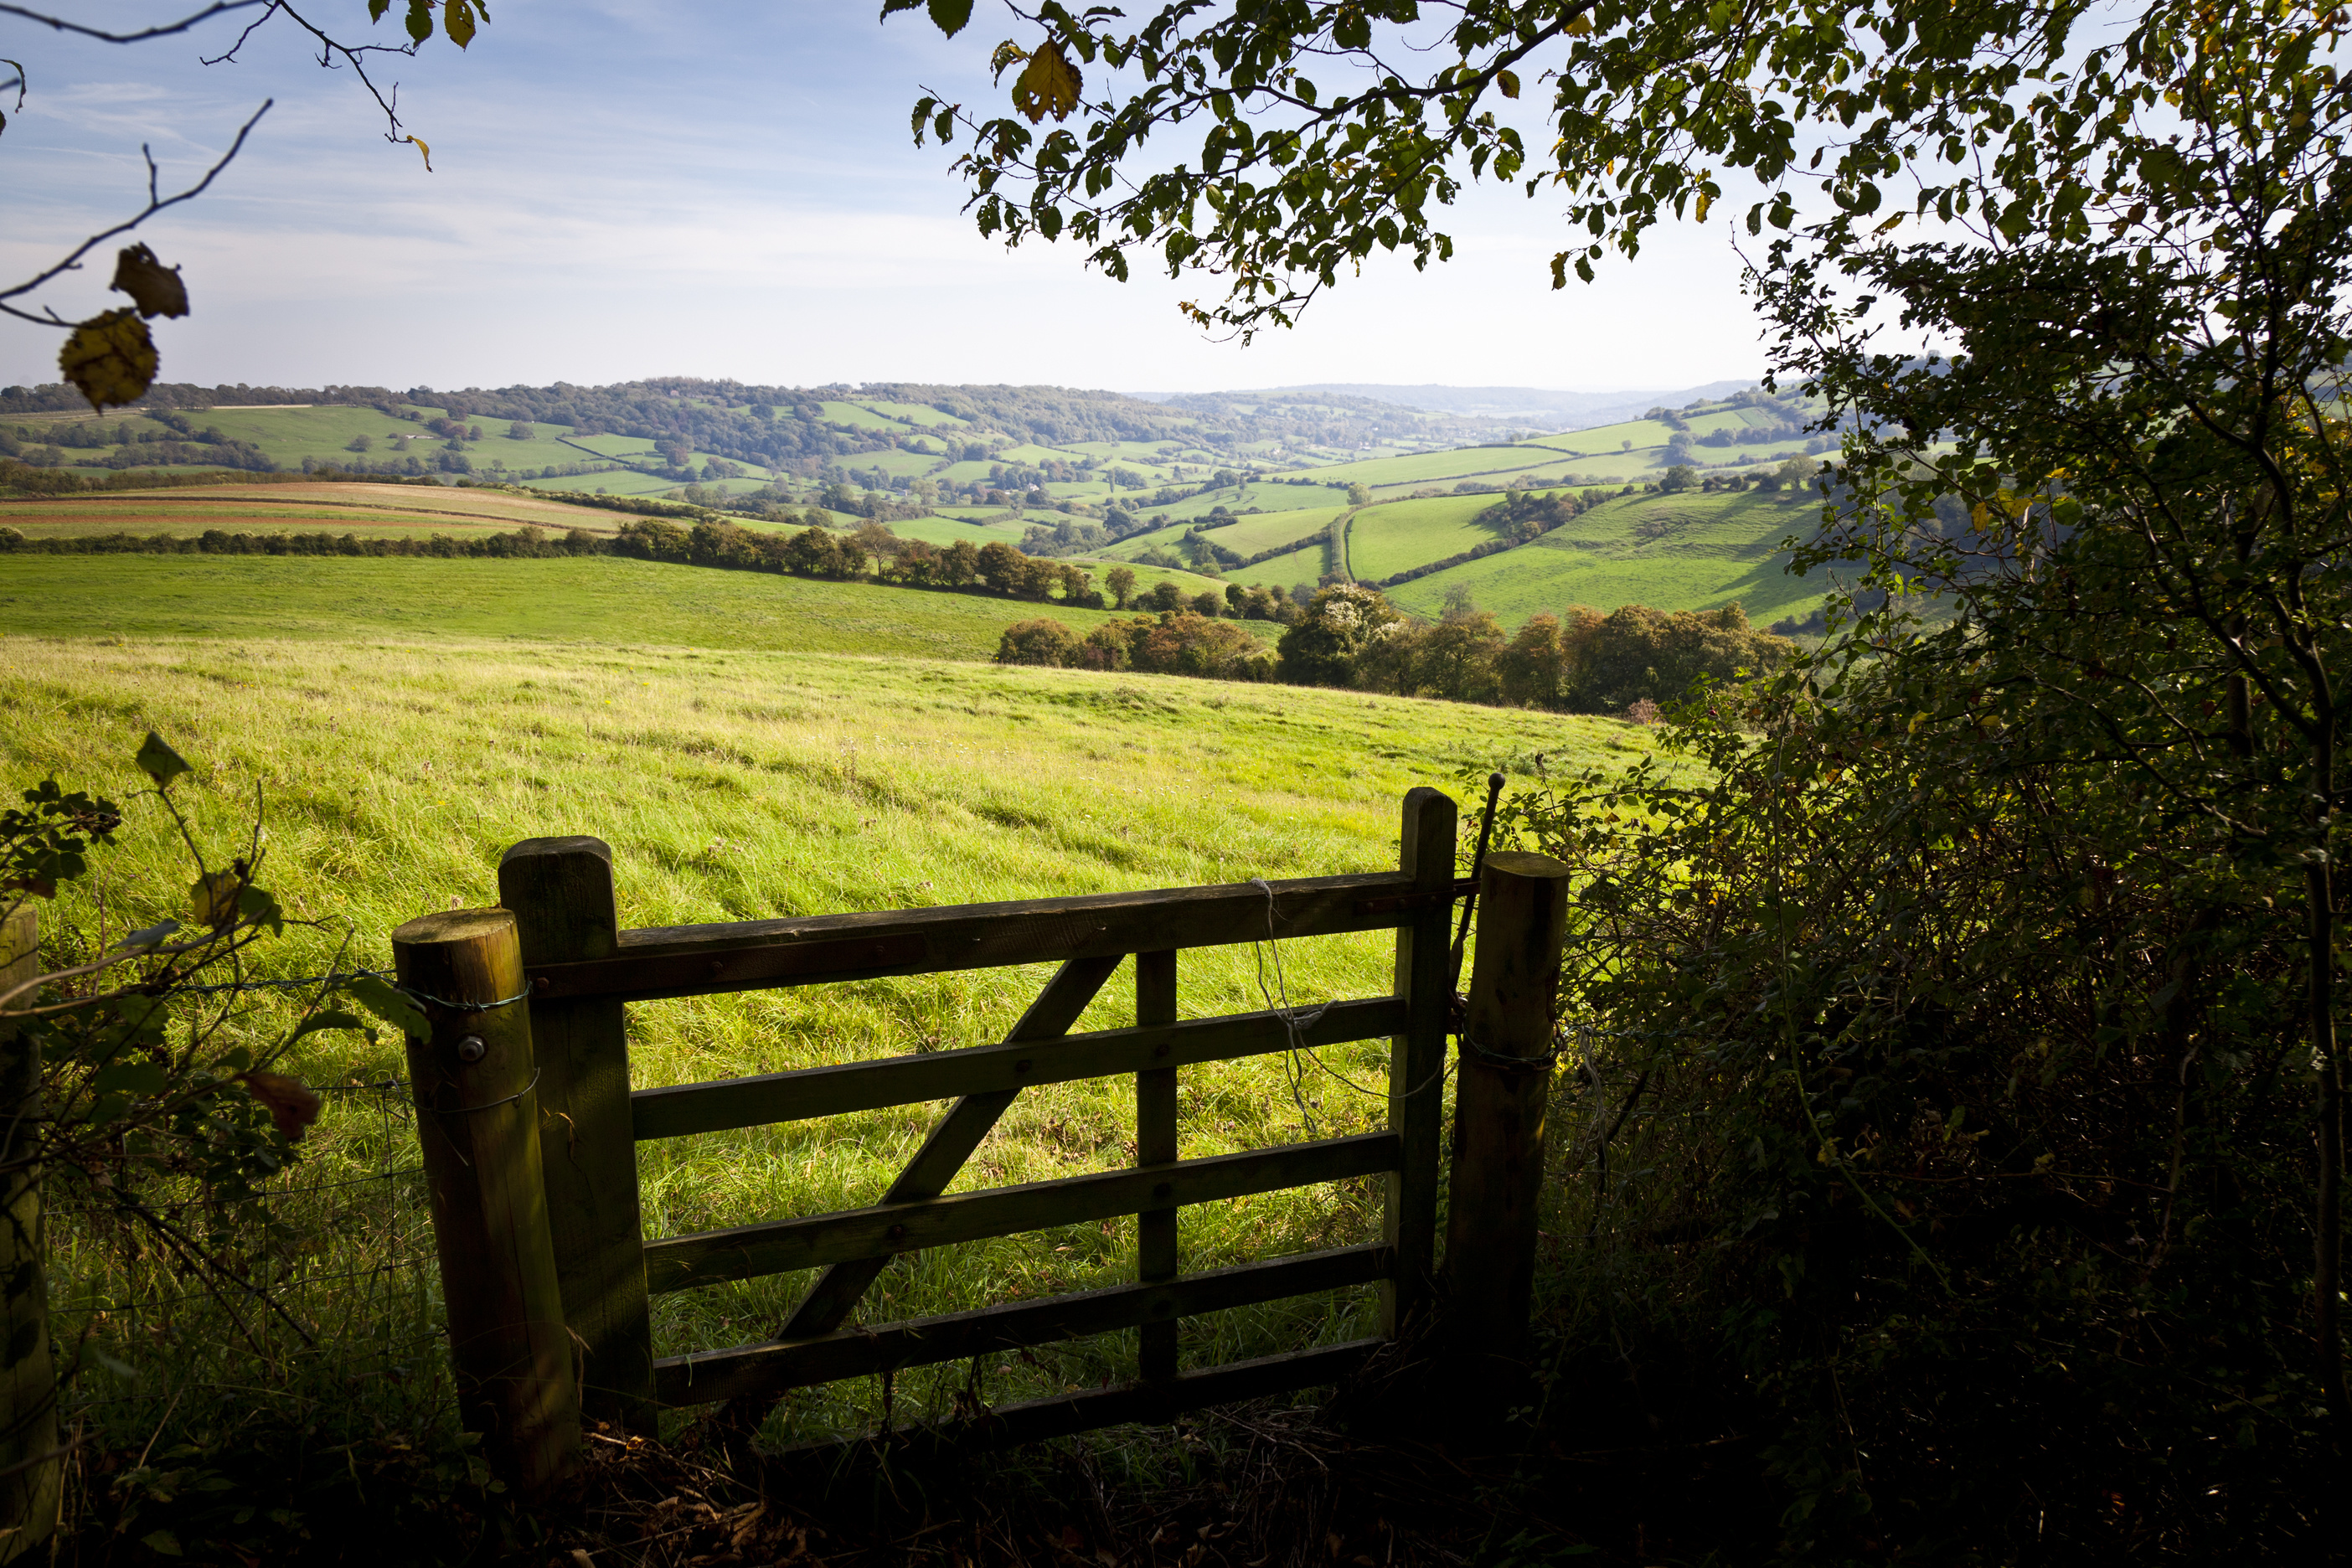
838, 1289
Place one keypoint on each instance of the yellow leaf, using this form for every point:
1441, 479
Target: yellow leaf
1049, 85
427, 152
212, 896
111, 358
1705, 200
1508, 81
457, 21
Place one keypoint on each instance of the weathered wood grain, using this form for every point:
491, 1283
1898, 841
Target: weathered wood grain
781, 1246
782, 1364
835, 1090
561, 890
702, 960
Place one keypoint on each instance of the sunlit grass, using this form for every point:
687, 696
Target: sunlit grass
737, 784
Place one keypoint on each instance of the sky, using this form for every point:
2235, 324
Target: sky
723, 190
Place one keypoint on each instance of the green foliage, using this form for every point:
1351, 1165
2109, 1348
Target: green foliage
1321, 647
1974, 1071
1290, 183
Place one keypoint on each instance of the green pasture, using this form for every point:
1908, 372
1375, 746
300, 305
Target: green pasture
1669, 552
398, 748
1430, 468
1303, 566
589, 601
1266, 530
948, 530
1193, 584
855, 416
1396, 536
919, 414
899, 462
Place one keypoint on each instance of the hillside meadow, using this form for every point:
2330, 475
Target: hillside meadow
399, 728
593, 601
1687, 551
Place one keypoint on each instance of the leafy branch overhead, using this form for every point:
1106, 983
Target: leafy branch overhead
111, 357
1308, 136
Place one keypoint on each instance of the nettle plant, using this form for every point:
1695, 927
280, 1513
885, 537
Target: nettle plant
144, 1067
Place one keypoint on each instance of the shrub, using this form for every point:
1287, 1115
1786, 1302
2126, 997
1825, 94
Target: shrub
1040, 641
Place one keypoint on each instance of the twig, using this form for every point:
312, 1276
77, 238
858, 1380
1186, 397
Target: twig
155, 203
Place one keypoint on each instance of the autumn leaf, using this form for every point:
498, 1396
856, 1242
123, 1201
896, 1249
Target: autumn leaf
1047, 85
457, 21
109, 358
291, 1103
159, 762
153, 287
212, 896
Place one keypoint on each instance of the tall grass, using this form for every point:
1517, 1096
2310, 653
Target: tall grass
736, 785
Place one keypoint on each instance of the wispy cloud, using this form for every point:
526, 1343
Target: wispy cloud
721, 189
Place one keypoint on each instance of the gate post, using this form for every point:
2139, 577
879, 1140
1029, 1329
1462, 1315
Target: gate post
1423, 980
28, 1393
477, 1121
561, 890
1504, 1085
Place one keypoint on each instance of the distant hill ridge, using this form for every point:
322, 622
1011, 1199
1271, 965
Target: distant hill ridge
777, 425
1523, 404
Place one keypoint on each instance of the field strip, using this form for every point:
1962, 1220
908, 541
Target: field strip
430, 514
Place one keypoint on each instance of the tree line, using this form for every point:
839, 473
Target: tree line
1349, 635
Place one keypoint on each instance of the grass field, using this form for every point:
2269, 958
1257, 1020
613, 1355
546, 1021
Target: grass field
405, 725
1305, 566
1670, 552
591, 601
1397, 536
1252, 535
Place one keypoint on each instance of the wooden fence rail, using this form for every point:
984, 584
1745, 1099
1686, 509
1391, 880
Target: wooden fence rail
541, 1238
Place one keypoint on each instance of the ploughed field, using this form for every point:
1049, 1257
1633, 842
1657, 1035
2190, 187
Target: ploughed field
387, 510
400, 722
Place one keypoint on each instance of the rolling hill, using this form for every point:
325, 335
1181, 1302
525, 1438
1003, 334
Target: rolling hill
1278, 466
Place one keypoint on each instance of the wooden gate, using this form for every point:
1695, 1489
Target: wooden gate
521, 1102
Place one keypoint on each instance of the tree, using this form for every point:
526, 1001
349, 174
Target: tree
1533, 670
1359, 494
1164, 597
2133, 231
111, 357
1636, 653
1184, 642
1004, 569
1120, 581
1291, 182
1041, 641
1322, 647
1681, 476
